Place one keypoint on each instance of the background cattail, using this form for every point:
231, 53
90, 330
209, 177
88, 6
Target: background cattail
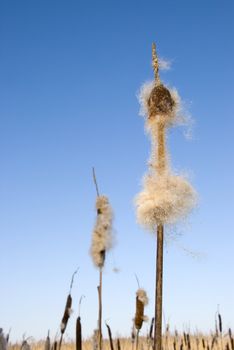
47, 342
141, 301
78, 334
25, 345
102, 233
3, 340
67, 313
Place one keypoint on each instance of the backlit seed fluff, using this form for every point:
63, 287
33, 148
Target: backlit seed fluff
164, 200
102, 233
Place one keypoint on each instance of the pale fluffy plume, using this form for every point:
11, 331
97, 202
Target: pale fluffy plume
102, 233
164, 200
142, 296
143, 97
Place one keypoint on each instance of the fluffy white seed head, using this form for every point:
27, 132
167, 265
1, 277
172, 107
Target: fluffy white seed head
102, 233
164, 200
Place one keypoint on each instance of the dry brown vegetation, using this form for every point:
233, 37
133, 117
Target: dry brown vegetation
175, 341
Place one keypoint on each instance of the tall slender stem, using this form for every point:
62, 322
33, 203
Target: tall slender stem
100, 310
158, 290
137, 339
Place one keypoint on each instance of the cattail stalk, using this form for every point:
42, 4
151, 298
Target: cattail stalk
165, 197
137, 339
67, 311
101, 242
158, 290
100, 310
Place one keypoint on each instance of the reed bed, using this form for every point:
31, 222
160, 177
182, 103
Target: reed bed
170, 341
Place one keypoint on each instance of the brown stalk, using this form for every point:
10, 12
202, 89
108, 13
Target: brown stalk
158, 290
100, 310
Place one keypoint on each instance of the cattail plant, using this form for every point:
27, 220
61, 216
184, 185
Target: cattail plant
101, 243
67, 311
231, 338
141, 301
3, 340
25, 345
8, 336
165, 198
79, 328
47, 342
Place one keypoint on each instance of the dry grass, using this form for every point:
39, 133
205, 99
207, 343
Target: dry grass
185, 341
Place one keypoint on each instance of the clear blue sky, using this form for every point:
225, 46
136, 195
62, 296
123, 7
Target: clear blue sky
69, 74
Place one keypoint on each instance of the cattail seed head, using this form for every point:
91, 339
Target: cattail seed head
160, 101
141, 302
102, 233
67, 313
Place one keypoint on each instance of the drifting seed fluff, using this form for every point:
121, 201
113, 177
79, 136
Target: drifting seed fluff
164, 64
164, 200
102, 233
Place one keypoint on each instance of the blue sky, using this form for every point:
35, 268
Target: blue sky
70, 72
